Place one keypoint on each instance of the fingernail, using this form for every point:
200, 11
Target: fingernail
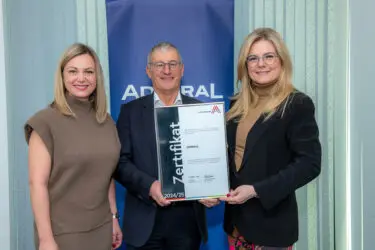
228, 195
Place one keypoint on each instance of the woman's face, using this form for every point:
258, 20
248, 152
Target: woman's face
263, 63
80, 77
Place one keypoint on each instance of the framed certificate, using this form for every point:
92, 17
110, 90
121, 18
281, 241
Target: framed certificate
192, 151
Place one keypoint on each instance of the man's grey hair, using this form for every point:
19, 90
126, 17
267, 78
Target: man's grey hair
163, 46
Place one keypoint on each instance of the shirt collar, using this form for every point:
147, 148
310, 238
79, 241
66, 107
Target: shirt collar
159, 103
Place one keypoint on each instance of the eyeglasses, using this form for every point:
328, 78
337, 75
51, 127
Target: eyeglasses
268, 59
159, 66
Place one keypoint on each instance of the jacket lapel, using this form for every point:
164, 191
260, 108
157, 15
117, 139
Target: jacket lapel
253, 136
149, 136
256, 132
231, 141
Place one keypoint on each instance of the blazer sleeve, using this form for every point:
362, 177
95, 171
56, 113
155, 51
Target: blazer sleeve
127, 173
303, 138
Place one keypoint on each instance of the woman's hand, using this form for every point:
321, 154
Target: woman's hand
240, 195
116, 234
48, 245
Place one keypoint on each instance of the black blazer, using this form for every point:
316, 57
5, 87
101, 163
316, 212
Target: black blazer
137, 170
281, 155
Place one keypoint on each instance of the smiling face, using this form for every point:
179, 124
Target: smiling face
163, 71
80, 77
264, 70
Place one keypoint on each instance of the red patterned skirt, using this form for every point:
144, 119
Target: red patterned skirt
237, 242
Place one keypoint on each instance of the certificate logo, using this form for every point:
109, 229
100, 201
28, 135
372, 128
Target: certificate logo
215, 109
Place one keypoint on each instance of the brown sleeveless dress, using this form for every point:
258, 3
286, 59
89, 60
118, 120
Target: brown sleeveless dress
84, 155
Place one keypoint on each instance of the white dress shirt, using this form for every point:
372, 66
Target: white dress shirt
158, 103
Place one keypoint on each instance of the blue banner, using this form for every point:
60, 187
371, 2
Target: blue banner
202, 30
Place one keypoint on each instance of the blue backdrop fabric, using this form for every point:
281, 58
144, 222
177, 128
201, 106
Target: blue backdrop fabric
202, 30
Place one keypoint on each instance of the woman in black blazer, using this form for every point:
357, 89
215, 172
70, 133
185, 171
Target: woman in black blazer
273, 147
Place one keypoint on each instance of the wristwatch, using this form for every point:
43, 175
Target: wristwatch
115, 216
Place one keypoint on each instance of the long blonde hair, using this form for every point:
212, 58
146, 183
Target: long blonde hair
98, 97
247, 97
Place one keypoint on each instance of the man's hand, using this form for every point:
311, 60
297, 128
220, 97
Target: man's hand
240, 195
209, 202
157, 196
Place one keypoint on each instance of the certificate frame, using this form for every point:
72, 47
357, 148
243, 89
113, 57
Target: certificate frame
192, 151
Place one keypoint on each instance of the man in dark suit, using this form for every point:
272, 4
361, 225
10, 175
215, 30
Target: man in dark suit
151, 221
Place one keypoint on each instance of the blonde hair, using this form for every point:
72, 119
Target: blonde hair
247, 97
97, 98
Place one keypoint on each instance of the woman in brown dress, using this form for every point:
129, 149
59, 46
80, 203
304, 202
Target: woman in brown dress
73, 151
273, 147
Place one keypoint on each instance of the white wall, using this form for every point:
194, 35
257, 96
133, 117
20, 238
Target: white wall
4, 166
361, 151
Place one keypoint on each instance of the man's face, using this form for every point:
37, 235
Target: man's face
165, 71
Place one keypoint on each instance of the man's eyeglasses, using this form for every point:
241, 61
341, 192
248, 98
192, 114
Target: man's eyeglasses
159, 66
268, 59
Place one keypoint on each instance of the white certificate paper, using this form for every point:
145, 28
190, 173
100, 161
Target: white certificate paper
192, 153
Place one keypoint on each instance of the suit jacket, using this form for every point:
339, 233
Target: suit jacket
281, 154
137, 169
